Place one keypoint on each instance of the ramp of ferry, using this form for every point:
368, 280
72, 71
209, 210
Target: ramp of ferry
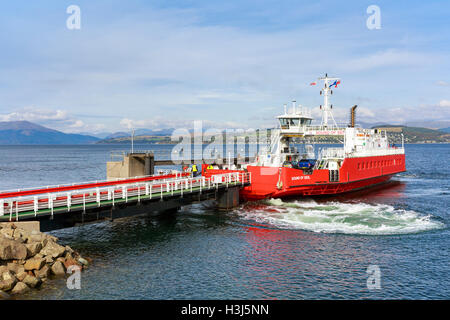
64, 206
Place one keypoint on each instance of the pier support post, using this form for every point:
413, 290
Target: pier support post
228, 198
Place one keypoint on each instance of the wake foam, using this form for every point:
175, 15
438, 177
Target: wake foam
337, 217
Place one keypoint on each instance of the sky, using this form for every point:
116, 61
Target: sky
233, 64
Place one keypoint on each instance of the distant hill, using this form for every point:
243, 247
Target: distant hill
414, 134
141, 132
24, 132
446, 130
410, 134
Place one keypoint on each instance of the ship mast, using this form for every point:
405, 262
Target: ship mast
326, 108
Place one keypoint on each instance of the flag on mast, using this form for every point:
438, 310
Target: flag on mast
335, 83
312, 83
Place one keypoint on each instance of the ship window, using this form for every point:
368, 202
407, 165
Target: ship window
294, 122
305, 122
284, 123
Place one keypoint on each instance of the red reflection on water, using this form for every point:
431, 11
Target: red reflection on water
280, 261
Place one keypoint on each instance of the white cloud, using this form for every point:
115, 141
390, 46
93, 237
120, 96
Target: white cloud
444, 103
165, 123
33, 114
54, 119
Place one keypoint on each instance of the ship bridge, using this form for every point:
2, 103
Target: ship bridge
294, 123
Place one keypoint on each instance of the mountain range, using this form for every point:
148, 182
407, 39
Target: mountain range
24, 132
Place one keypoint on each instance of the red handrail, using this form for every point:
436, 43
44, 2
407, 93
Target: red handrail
87, 186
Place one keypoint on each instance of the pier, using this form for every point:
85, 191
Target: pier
64, 206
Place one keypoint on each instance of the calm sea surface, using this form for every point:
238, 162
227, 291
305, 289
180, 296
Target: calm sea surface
305, 248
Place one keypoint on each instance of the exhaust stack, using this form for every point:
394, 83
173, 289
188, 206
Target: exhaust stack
352, 116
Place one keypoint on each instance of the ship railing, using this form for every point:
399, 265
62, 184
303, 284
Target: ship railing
379, 152
332, 153
47, 203
161, 175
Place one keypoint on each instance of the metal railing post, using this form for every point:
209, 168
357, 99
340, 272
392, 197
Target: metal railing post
97, 195
139, 194
69, 198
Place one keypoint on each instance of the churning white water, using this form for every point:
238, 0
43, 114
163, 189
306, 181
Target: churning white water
337, 217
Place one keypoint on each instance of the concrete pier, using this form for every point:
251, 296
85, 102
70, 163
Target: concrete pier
228, 199
132, 165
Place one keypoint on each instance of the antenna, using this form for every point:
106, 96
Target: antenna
326, 108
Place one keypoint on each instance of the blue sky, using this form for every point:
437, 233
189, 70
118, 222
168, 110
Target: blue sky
158, 64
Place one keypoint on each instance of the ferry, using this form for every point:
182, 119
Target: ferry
363, 158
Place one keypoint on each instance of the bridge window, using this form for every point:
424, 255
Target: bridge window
306, 122
284, 122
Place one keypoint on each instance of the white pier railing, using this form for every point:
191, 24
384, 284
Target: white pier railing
66, 201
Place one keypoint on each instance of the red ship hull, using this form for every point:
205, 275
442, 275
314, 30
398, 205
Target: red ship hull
354, 174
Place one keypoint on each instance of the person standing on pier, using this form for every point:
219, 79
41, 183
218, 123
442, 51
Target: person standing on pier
194, 170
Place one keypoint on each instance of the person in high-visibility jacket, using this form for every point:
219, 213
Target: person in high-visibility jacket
210, 167
194, 170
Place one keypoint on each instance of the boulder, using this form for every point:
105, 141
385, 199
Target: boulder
49, 259
7, 232
21, 275
68, 256
15, 267
37, 237
31, 281
70, 262
83, 261
3, 269
53, 249
43, 273
20, 288
21, 233
33, 248
58, 269
7, 281
69, 250
4, 296
10, 250
34, 264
